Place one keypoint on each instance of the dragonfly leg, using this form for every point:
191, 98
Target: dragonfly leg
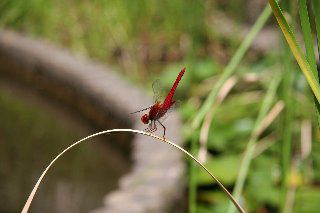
141, 110
164, 128
154, 126
149, 128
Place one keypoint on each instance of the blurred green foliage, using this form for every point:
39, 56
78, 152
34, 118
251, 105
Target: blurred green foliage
143, 37
133, 33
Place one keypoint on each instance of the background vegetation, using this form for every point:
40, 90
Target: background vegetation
262, 105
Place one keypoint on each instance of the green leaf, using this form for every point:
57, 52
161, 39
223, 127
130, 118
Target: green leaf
307, 200
225, 167
204, 69
262, 183
187, 110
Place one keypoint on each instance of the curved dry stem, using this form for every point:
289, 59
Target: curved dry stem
35, 188
204, 131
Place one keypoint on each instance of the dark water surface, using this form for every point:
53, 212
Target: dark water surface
32, 133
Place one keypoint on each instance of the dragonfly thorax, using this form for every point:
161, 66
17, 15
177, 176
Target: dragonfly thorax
145, 119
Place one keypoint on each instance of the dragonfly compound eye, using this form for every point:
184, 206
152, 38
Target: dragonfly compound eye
145, 119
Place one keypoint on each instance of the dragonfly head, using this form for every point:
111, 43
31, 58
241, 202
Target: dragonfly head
145, 119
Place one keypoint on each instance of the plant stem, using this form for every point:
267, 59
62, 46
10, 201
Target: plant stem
308, 40
227, 72
193, 179
295, 49
249, 152
316, 8
35, 188
287, 120
231, 67
307, 35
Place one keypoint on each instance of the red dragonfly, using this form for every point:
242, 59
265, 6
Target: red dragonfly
158, 109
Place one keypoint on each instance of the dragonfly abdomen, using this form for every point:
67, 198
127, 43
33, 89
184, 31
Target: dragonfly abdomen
168, 101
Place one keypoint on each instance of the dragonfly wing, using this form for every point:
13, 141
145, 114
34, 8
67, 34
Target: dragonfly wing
157, 91
173, 107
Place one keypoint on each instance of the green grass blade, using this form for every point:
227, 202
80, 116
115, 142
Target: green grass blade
307, 35
249, 152
316, 9
308, 40
231, 67
287, 120
295, 49
228, 71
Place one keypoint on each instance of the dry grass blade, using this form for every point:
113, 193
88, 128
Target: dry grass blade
290, 197
306, 138
250, 150
262, 121
293, 180
204, 132
264, 144
231, 67
35, 188
278, 107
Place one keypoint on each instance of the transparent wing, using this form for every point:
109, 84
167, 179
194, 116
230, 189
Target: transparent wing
174, 107
157, 91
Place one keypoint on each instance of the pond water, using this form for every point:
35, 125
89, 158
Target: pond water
32, 133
